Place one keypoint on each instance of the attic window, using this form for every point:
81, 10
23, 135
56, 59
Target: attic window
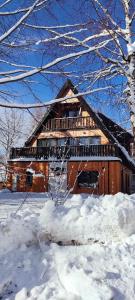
71, 113
29, 178
88, 179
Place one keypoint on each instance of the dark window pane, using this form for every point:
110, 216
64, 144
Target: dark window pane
88, 179
51, 143
41, 143
95, 140
73, 141
71, 113
92, 140
29, 178
84, 141
46, 142
62, 142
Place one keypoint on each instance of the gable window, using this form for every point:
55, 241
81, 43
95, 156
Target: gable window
88, 179
29, 178
71, 113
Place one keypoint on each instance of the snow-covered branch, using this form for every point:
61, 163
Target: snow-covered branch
51, 64
48, 103
22, 10
93, 51
18, 23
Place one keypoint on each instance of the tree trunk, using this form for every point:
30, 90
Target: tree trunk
132, 97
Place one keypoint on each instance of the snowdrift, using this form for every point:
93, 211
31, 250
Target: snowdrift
103, 219
102, 266
82, 220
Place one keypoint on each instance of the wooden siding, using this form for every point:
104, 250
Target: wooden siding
126, 180
70, 94
71, 104
2, 185
71, 133
40, 183
59, 109
109, 176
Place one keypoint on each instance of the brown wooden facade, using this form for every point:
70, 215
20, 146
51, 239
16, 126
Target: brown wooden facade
113, 176
90, 143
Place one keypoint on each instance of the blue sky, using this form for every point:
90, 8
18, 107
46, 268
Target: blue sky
60, 12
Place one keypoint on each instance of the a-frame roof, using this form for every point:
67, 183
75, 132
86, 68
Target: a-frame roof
115, 133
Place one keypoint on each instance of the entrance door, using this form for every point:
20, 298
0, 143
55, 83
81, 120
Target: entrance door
57, 177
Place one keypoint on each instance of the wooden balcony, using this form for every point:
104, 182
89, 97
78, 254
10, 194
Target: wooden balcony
65, 151
69, 123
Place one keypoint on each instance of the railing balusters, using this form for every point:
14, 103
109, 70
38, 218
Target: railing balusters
69, 123
68, 151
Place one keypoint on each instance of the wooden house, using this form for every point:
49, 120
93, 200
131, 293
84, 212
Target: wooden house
94, 151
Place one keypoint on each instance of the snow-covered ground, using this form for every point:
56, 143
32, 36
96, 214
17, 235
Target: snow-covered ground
83, 250
11, 202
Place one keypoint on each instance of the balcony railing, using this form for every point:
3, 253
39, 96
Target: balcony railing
69, 123
65, 151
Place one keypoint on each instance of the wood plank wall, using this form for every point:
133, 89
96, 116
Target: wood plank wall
109, 176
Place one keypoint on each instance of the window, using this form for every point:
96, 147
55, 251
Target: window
62, 142
91, 140
41, 142
57, 171
51, 143
73, 141
95, 140
29, 178
88, 179
84, 141
71, 113
46, 142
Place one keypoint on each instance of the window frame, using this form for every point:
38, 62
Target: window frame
91, 182
89, 139
71, 113
29, 178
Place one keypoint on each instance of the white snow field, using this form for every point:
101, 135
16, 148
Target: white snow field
82, 250
11, 202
